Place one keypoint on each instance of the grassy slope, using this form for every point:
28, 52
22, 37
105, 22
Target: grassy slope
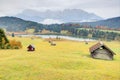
66, 61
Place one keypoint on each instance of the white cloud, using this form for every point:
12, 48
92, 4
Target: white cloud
51, 21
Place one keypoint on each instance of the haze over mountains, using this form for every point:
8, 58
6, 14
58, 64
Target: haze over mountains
65, 16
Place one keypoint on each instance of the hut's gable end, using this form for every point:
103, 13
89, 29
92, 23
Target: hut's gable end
102, 54
101, 51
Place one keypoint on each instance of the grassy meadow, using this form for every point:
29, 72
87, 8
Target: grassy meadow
68, 60
115, 31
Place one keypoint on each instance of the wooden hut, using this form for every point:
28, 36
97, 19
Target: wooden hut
53, 44
101, 51
31, 48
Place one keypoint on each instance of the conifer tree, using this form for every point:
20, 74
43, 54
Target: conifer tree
3, 39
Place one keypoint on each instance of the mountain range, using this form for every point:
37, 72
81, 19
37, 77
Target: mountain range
67, 15
18, 24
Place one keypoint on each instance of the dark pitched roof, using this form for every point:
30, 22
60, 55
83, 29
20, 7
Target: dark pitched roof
31, 46
98, 45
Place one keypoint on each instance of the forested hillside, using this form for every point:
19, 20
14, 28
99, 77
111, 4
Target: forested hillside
17, 24
111, 23
74, 29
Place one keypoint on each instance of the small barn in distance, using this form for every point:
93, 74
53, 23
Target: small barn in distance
31, 48
101, 51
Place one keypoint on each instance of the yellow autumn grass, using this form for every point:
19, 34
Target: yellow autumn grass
69, 60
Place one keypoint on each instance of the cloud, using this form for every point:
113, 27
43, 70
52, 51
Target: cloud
51, 21
100, 7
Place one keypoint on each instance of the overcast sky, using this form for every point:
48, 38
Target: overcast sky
103, 8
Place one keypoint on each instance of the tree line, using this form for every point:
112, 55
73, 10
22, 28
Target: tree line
82, 31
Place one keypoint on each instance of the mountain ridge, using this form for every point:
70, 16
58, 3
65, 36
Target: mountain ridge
111, 22
67, 15
10, 23
18, 24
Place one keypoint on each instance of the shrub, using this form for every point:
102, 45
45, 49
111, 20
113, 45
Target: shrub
15, 44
